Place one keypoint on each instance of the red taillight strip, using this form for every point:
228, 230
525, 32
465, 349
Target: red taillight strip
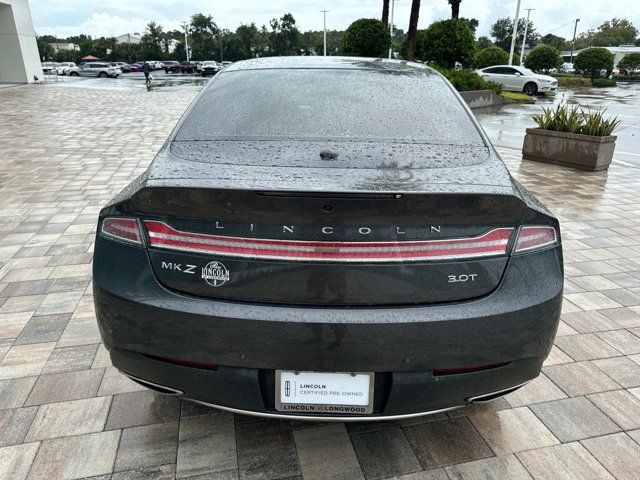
493, 242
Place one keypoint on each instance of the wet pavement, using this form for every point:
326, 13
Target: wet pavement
506, 125
66, 413
131, 82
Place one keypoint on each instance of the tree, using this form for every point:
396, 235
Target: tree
455, 8
552, 40
484, 42
630, 61
203, 37
284, 36
617, 31
447, 42
593, 60
502, 31
611, 33
152, 42
543, 57
366, 37
385, 12
246, 39
44, 48
413, 28
66, 56
472, 23
490, 56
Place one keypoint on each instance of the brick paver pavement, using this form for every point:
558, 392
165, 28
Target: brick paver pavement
66, 413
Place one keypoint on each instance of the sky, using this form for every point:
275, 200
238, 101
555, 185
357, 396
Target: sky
116, 17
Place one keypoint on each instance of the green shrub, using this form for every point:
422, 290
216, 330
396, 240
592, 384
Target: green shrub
569, 80
464, 81
570, 120
593, 60
603, 82
366, 37
627, 78
493, 56
448, 42
630, 61
490, 56
543, 57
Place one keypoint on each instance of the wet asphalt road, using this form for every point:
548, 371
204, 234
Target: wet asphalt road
506, 126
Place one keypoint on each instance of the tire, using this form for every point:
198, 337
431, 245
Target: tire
530, 88
74, 74
102, 75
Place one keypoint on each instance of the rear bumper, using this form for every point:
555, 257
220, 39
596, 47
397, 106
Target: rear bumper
403, 345
251, 391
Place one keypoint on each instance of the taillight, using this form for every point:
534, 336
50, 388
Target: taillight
534, 238
125, 229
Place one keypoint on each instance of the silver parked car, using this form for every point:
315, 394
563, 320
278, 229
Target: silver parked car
94, 69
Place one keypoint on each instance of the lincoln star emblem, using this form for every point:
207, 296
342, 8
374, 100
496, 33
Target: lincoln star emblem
215, 274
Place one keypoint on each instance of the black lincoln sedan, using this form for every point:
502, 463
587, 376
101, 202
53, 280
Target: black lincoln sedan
343, 242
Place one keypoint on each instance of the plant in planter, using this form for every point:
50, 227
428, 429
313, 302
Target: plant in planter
571, 137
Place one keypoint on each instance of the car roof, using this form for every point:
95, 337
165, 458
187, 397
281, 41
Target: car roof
317, 62
494, 66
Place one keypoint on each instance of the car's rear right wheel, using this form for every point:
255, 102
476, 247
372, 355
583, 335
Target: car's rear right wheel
74, 74
530, 88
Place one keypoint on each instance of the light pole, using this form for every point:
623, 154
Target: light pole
324, 12
515, 32
524, 38
391, 28
573, 42
185, 25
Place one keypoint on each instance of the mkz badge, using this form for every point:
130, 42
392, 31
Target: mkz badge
215, 274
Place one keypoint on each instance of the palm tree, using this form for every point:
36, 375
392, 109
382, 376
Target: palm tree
413, 28
385, 12
455, 8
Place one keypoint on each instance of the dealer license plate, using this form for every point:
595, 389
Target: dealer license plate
324, 392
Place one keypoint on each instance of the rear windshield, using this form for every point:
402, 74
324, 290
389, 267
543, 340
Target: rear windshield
335, 104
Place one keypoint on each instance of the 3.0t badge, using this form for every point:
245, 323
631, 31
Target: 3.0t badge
215, 274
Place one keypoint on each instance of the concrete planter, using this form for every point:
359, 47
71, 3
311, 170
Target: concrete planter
569, 149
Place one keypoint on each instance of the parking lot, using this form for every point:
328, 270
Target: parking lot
68, 147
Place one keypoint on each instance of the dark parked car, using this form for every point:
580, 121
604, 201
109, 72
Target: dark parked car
187, 67
171, 66
343, 242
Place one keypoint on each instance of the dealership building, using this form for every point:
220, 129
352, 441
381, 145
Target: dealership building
19, 58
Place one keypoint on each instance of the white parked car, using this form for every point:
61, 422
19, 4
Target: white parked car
49, 68
63, 67
567, 68
519, 79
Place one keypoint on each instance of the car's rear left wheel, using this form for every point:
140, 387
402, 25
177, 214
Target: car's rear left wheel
102, 75
530, 88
